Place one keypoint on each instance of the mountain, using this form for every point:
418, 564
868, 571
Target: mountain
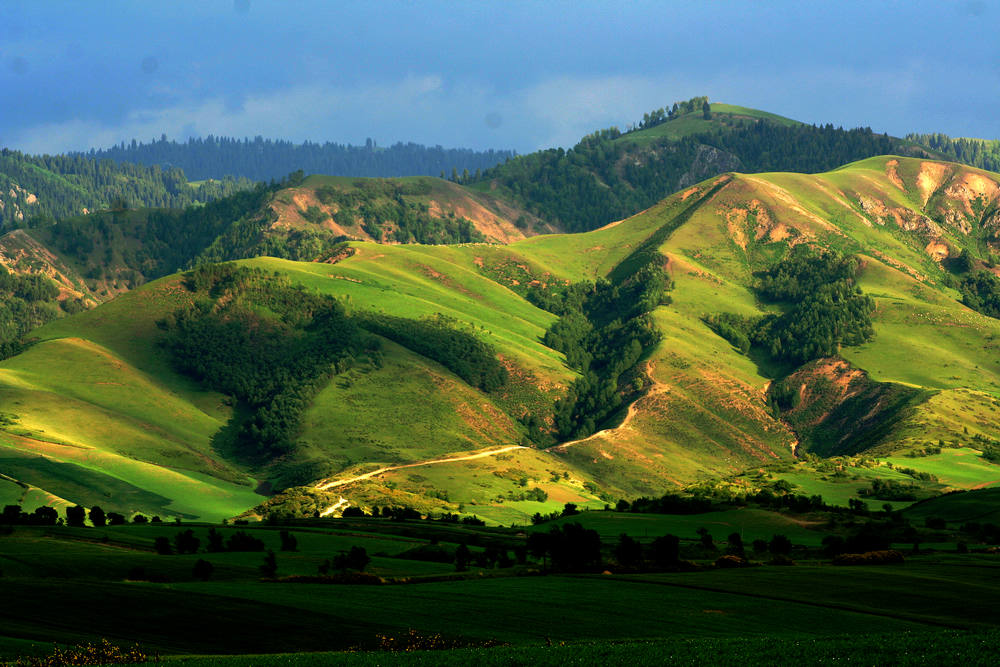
262, 159
416, 386
610, 174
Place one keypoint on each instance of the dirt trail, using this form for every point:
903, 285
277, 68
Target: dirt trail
339, 505
342, 503
655, 389
323, 486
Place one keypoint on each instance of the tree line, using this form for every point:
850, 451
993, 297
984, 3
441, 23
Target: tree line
65, 185
260, 159
982, 153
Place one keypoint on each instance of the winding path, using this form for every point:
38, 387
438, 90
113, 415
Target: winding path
654, 389
324, 486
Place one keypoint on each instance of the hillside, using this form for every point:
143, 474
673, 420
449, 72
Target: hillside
97, 256
702, 409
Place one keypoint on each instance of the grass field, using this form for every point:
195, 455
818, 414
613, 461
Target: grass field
54, 572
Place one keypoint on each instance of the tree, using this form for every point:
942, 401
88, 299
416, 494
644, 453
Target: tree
735, 545
628, 551
780, 545
462, 558
666, 551
202, 569
44, 516
186, 542
288, 541
706, 539
162, 546
97, 517
355, 558
11, 515
140, 518
116, 519
270, 566
215, 543
706, 110
76, 516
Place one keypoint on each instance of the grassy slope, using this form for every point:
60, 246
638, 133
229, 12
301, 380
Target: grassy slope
707, 413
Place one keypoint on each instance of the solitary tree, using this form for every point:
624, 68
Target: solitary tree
735, 545
270, 566
462, 558
706, 110
780, 545
162, 546
97, 517
186, 542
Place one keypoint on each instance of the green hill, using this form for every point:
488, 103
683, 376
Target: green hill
694, 407
610, 174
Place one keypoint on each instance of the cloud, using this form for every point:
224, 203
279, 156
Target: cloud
555, 111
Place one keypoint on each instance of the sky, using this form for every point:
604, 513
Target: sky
480, 74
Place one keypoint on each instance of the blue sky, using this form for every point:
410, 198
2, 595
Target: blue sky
522, 75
